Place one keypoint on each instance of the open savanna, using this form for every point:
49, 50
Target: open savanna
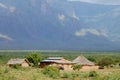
34, 73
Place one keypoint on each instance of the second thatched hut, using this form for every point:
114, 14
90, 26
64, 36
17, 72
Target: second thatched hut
86, 64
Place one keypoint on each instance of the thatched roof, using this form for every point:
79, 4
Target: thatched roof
83, 61
17, 61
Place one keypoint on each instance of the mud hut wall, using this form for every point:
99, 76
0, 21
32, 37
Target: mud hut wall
25, 64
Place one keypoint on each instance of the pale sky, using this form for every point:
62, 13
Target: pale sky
106, 2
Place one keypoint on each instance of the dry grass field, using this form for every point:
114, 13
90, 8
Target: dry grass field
7, 73
35, 73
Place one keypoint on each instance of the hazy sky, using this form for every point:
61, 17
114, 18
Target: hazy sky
110, 2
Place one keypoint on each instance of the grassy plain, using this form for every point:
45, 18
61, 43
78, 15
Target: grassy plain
7, 73
49, 53
36, 74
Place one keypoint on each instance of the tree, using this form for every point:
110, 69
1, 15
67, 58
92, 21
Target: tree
106, 61
34, 58
77, 67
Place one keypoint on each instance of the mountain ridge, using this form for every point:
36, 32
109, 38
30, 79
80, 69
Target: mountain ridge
50, 24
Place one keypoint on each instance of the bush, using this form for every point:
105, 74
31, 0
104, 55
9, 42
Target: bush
77, 67
51, 71
65, 75
34, 58
16, 66
74, 75
93, 74
92, 59
1, 71
106, 61
71, 75
6, 70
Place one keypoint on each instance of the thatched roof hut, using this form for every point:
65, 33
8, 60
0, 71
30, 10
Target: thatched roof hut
22, 62
83, 61
86, 64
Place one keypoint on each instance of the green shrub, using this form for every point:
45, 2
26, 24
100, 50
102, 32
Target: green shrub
6, 70
77, 67
71, 75
51, 71
65, 75
93, 74
74, 75
92, 59
16, 66
106, 61
1, 70
34, 58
